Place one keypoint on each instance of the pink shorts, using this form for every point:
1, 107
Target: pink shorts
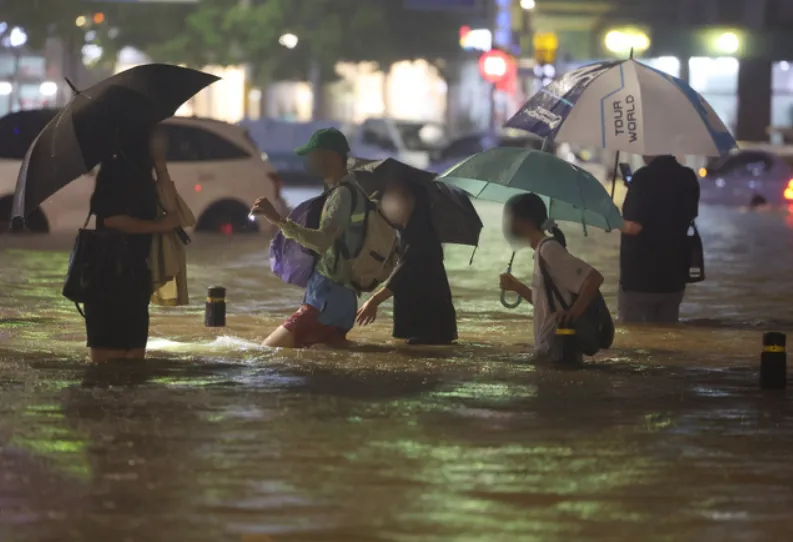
308, 331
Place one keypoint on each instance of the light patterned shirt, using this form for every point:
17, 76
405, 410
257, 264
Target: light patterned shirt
569, 274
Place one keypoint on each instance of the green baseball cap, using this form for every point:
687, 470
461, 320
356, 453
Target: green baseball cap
328, 139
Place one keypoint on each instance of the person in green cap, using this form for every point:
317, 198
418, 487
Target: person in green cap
331, 301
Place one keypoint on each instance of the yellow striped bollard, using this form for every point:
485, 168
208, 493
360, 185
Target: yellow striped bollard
215, 312
773, 361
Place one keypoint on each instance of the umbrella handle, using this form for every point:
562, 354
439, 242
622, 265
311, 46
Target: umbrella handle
504, 302
510, 304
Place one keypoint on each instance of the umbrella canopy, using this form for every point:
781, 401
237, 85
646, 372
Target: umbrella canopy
453, 215
571, 194
86, 130
626, 106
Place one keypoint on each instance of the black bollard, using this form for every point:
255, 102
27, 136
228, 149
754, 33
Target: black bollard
566, 347
215, 313
17, 224
773, 361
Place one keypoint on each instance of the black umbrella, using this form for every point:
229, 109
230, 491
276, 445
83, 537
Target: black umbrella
453, 215
86, 130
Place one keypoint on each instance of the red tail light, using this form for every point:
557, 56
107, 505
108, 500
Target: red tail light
789, 191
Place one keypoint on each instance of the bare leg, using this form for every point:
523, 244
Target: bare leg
102, 355
280, 338
136, 354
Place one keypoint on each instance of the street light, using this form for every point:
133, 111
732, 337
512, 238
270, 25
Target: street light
728, 43
48, 88
17, 37
528, 5
289, 41
623, 41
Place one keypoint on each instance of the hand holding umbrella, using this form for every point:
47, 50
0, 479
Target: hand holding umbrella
570, 193
509, 283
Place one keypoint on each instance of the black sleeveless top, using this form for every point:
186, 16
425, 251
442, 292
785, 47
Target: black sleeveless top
123, 188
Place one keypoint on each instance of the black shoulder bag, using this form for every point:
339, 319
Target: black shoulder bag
594, 329
97, 255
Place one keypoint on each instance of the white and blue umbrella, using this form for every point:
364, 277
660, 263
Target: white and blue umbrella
625, 106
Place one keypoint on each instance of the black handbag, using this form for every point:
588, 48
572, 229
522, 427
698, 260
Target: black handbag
594, 330
98, 256
696, 256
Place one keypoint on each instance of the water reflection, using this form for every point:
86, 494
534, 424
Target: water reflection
665, 438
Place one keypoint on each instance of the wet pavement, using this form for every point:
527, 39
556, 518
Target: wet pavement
665, 438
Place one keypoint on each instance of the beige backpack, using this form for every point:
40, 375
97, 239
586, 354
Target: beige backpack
371, 243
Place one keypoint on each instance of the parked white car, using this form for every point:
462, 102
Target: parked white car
216, 167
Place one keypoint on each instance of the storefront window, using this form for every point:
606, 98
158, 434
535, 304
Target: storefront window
716, 79
31, 97
667, 64
782, 94
32, 67
7, 63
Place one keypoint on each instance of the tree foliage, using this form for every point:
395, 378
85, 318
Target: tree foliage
43, 18
227, 32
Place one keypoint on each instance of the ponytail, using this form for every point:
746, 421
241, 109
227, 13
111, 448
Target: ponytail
558, 235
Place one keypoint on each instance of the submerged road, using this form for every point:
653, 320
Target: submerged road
665, 438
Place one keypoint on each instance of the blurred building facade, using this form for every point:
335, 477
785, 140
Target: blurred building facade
28, 78
737, 53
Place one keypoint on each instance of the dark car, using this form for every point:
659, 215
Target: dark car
749, 177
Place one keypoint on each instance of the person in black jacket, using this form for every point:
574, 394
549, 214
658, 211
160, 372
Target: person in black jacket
423, 309
125, 202
661, 203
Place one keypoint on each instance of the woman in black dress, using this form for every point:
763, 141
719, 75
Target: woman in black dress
423, 309
125, 201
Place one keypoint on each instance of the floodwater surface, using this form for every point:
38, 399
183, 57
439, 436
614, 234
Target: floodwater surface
665, 438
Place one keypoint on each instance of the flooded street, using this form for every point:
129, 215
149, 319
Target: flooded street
665, 438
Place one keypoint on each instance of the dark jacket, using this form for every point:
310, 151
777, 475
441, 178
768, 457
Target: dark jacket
664, 198
422, 297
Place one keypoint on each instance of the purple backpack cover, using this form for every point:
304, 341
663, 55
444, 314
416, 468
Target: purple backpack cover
290, 261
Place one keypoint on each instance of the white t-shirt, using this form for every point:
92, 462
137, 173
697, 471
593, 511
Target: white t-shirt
568, 273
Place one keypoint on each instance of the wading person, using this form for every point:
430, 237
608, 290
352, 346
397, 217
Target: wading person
423, 309
525, 223
661, 203
125, 203
331, 300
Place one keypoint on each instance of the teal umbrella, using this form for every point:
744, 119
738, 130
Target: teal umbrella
571, 194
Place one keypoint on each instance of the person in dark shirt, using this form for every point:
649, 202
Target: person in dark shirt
662, 200
423, 309
125, 201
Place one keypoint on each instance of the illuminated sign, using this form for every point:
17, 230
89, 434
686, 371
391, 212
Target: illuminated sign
499, 68
546, 44
502, 36
476, 39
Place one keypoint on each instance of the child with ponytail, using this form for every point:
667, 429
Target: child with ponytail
525, 223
